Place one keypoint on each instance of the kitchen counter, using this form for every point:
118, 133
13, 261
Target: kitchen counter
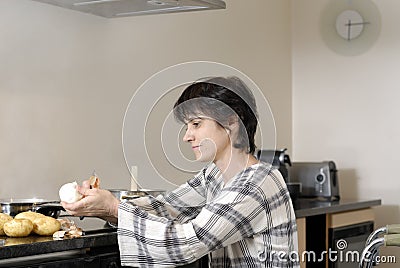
33, 244
98, 245
99, 236
305, 207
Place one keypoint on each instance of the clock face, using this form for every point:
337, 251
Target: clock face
350, 24
350, 27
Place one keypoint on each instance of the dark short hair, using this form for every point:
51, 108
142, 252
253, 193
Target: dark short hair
220, 98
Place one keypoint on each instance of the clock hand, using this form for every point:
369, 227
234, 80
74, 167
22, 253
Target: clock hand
357, 23
348, 30
349, 24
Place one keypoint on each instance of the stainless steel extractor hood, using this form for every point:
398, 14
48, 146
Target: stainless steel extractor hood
124, 8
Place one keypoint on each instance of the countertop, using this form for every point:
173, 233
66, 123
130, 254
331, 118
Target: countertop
99, 234
32, 245
305, 207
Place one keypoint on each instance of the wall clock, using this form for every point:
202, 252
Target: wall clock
350, 27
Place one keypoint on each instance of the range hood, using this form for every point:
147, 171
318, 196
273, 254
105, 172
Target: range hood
124, 8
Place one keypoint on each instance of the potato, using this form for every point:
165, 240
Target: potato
29, 215
42, 225
18, 227
45, 225
3, 219
69, 194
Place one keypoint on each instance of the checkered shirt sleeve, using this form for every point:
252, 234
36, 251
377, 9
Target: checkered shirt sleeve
249, 222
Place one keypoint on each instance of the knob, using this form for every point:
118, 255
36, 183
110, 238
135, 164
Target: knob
320, 178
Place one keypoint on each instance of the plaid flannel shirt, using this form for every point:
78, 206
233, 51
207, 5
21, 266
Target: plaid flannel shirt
249, 222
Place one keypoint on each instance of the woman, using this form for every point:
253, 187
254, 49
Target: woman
236, 209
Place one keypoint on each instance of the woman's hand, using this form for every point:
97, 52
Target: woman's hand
95, 203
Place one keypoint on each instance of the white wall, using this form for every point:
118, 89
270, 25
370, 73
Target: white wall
345, 108
66, 78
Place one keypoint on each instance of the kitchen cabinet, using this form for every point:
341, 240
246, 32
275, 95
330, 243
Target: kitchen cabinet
317, 220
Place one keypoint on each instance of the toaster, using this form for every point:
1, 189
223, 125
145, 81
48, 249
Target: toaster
317, 179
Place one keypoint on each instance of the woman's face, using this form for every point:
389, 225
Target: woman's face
209, 140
